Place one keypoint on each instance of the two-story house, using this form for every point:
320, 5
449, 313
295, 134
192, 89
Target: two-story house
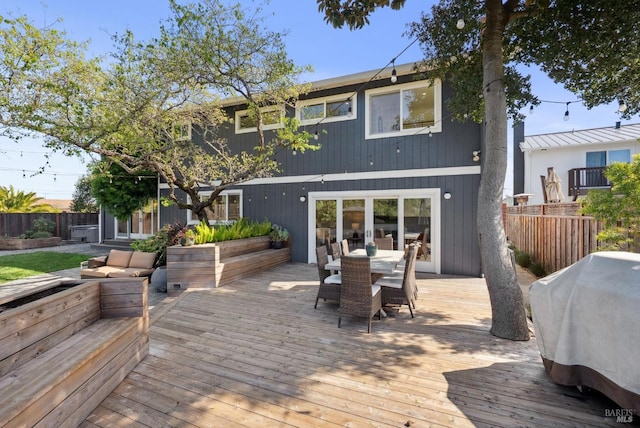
579, 158
392, 163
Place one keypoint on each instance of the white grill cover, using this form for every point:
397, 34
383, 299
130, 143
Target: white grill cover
587, 324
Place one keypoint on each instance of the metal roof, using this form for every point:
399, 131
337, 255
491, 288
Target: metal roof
611, 134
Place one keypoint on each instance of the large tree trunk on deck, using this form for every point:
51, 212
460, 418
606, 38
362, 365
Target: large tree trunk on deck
509, 319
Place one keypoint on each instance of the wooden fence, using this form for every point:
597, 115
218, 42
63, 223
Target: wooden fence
12, 225
556, 241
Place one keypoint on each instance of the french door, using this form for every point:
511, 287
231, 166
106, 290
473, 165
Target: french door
141, 224
359, 217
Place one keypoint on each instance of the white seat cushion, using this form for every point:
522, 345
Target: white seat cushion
333, 279
390, 281
375, 289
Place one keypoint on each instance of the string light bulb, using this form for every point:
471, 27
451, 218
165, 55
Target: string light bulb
622, 106
397, 148
394, 74
316, 136
531, 109
460, 22
566, 113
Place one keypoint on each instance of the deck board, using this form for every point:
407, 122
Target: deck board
256, 353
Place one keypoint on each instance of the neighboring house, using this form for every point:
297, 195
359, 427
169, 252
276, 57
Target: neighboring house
392, 163
578, 157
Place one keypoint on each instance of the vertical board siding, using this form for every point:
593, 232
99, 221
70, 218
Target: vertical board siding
554, 241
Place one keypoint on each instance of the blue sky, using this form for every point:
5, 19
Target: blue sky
331, 52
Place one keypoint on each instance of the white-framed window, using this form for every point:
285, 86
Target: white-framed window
327, 109
226, 208
271, 119
182, 131
406, 109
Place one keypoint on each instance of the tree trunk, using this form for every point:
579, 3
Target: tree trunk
509, 319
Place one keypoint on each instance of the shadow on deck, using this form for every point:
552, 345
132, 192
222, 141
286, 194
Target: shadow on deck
256, 353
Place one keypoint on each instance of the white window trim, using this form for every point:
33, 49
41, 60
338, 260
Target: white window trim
181, 137
193, 219
324, 100
263, 110
437, 108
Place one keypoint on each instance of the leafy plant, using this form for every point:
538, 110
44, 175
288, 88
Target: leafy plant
523, 259
169, 235
278, 233
119, 192
40, 228
619, 208
538, 269
240, 229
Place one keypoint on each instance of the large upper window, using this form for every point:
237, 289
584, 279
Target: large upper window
226, 208
404, 109
182, 131
271, 119
328, 109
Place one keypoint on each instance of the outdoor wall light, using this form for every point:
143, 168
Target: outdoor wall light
303, 199
476, 155
447, 195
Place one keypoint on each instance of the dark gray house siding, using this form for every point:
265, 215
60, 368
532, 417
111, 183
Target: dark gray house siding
345, 150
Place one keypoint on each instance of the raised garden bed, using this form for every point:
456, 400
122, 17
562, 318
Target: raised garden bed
213, 265
26, 244
66, 344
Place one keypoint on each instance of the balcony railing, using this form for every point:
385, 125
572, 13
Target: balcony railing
582, 180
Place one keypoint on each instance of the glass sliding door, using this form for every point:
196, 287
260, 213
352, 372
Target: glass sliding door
325, 221
353, 222
407, 216
385, 220
417, 226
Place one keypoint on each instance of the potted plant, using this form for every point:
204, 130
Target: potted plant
372, 249
278, 235
189, 238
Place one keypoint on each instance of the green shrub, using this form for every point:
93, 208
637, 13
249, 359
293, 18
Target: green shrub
240, 229
523, 259
538, 270
169, 235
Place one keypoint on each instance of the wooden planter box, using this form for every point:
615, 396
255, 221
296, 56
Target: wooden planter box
213, 265
66, 344
25, 244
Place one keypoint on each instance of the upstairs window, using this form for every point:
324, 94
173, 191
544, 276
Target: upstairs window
182, 131
406, 109
271, 119
328, 109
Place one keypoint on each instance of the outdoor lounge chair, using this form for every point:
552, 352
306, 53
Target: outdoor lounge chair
358, 297
329, 287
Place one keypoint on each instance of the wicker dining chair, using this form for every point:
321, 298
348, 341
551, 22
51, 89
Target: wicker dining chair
401, 290
329, 287
358, 297
384, 243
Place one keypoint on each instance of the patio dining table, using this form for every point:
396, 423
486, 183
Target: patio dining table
384, 262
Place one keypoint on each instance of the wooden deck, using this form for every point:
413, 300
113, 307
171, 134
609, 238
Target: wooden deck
256, 353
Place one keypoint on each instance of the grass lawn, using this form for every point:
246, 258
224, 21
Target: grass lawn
18, 266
